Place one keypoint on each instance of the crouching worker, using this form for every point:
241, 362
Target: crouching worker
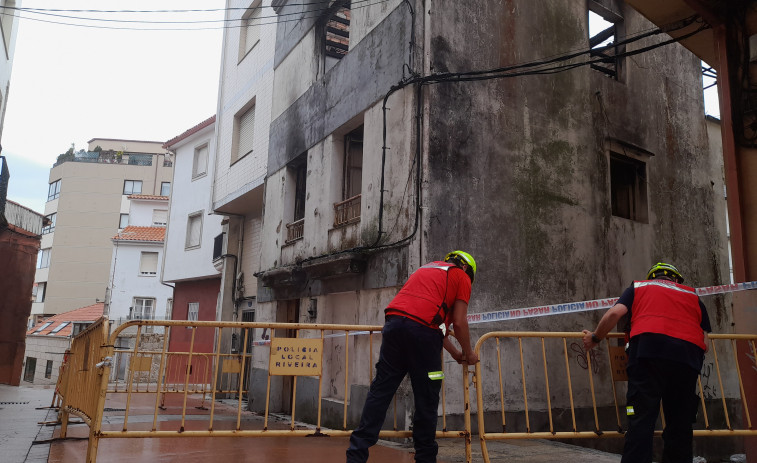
436, 294
668, 340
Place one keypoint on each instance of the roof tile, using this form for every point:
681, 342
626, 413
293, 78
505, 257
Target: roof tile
132, 233
90, 313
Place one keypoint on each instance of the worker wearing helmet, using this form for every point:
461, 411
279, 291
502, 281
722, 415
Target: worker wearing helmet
668, 339
417, 321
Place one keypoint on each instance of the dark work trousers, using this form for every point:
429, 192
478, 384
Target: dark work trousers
407, 347
650, 381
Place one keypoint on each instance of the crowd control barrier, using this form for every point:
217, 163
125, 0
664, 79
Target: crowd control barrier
544, 385
149, 377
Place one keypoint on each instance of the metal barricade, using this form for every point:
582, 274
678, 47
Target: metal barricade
150, 372
587, 395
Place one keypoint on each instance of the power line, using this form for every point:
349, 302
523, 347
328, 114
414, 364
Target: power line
298, 16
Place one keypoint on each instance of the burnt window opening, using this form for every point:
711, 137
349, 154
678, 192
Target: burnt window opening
347, 210
628, 188
338, 32
605, 27
297, 170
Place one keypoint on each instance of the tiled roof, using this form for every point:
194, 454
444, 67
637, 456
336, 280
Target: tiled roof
90, 314
131, 233
150, 197
192, 131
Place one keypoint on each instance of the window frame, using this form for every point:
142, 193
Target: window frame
627, 156
142, 307
163, 184
121, 225
250, 20
43, 258
240, 119
133, 183
142, 256
614, 69
49, 369
194, 215
199, 163
50, 228
40, 296
193, 311
53, 190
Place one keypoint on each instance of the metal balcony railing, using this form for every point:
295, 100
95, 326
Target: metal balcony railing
294, 230
347, 211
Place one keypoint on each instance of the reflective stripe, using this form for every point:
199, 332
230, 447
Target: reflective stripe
440, 267
435, 375
671, 285
629, 410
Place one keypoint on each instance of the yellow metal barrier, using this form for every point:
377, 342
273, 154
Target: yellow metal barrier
148, 371
589, 389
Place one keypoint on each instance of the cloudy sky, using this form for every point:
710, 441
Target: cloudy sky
72, 83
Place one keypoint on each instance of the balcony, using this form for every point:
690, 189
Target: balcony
347, 211
294, 231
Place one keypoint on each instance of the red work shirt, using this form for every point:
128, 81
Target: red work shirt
422, 295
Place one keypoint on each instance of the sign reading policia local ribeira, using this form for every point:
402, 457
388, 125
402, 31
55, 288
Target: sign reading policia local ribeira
295, 357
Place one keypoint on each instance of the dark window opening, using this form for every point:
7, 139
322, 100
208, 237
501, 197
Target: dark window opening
628, 187
31, 366
49, 369
300, 190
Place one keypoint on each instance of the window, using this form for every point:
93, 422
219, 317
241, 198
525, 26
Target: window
200, 163
79, 327
123, 222
249, 32
348, 209
59, 327
41, 292
50, 227
298, 174
142, 309
53, 191
43, 327
194, 230
43, 258
244, 126
159, 217
31, 365
628, 187
49, 369
193, 311
169, 309
132, 187
338, 33
165, 188
148, 264
605, 26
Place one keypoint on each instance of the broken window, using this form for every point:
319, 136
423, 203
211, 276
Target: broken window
605, 26
348, 209
298, 171
628, 187
338, 34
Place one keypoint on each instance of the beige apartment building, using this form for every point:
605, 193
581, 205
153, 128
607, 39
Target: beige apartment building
87, 204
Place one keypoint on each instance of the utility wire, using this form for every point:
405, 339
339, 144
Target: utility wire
298, 16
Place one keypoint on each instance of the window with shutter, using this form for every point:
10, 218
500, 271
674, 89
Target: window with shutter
194, 230
244, 134
193, 311
148, 264
200, 165
159, 217
249, 33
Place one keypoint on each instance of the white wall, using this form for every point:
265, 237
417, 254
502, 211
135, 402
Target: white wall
127, 283
188, 196
241, 82
140, 211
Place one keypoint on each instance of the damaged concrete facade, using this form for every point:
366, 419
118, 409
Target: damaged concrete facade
563, 186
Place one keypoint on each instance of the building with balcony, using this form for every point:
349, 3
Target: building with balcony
393, 142
193, 249
87, 204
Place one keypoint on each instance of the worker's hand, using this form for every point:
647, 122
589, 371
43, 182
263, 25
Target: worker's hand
588, 343
457, 355
471, 358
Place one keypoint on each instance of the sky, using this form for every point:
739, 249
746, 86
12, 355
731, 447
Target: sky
70, 83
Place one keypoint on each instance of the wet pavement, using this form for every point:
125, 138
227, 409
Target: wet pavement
24, 438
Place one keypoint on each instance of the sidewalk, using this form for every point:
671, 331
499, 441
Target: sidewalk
21, 413
22, 409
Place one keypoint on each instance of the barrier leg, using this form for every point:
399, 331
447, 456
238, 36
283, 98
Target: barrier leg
92, 444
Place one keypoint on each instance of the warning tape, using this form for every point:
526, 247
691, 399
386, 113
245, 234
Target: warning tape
583, 306
569, 307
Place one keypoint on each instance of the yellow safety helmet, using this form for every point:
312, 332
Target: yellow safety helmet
462, 257
662, 269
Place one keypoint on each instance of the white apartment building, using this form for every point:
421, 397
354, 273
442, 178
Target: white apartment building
9, 30
135, 290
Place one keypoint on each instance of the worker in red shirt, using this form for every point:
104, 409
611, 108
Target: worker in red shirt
417, 321
667, 342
